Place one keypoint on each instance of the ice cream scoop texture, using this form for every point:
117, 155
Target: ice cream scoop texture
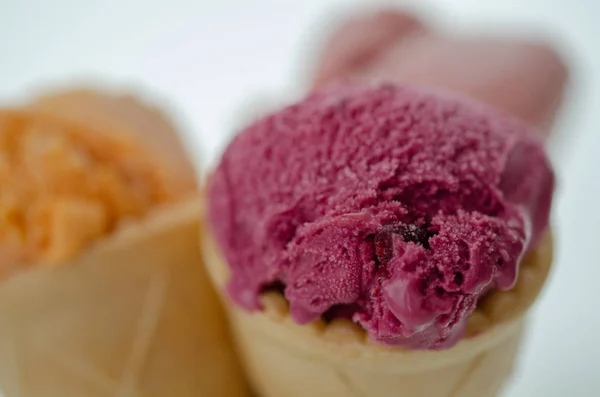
394, 206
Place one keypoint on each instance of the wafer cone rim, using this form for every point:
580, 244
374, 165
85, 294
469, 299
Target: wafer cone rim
161, 218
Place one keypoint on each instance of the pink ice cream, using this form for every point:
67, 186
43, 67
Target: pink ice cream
393, 206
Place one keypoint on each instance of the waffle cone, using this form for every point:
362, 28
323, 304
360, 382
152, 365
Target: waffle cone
336, 359
133, 316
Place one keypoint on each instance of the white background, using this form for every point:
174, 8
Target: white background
209, 59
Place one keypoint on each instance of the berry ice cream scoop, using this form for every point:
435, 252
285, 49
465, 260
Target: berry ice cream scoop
395, 207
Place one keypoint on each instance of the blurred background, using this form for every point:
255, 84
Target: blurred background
215, 64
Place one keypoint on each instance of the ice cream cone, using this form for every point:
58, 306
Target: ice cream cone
132, 314
336, 359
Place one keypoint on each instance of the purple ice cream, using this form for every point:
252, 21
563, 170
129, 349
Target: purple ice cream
393, 206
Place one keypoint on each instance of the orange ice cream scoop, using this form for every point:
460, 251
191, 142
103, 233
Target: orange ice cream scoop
72, 169
127, 116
